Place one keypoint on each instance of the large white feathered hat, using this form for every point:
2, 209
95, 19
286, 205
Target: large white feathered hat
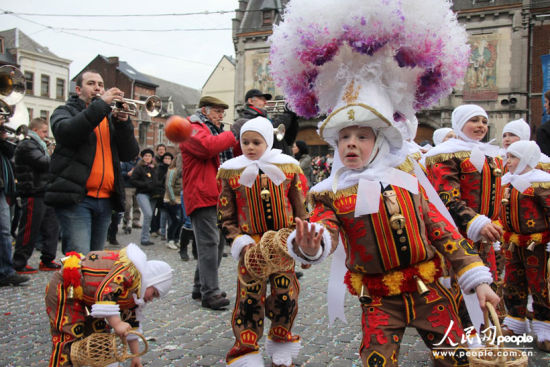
367, 63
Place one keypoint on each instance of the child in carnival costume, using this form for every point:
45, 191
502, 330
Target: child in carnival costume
366, 66
466, 173
525, 211
519, 130
261, 190
99, 291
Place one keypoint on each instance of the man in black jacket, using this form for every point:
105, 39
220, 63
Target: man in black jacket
32, 163
90, 143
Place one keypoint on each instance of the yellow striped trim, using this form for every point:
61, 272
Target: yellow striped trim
445, 157
468, 267
105, 303
407, 166
543, 185
232, 173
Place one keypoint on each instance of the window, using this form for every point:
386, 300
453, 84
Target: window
44, 114
267, 17
160, 138
60, 89
29, 82
142, 134
45, 85
30, 113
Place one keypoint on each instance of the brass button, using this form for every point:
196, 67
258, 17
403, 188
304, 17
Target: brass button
403, 248
268, 210
497, 172
400, 231
268, 205
269, 217
402, 239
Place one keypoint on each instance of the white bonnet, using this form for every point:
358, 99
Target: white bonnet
262, 126
519, 128
528, 153
462, 114
440, 134
157, 274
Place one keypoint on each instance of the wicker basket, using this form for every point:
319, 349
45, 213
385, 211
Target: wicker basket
102, 349
269, 256
496, 355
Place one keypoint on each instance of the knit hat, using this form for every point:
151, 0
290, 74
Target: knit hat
462, 114
528, 153
519, 128
168, 154
262, 126
440, 134
145, 151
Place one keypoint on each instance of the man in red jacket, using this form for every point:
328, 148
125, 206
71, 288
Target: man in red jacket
201, 157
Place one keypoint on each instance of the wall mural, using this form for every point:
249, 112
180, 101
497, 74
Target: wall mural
258, 75
480, 83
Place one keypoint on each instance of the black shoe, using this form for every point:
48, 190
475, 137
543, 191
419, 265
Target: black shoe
13, 279
197, 295
184, 256
147, 243
136, 225
299, 274
224, 254
127, 230
113, 242
217, 302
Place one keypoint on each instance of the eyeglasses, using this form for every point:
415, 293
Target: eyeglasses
219, 111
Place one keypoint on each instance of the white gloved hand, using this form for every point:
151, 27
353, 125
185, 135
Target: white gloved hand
496, 246
548, 247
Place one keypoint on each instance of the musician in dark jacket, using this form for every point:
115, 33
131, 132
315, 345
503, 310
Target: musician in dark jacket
90, 143
255, 105
8, 276
37, 220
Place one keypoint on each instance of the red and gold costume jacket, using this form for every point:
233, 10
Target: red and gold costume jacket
254, 211
387, 256
466, 192
525, 216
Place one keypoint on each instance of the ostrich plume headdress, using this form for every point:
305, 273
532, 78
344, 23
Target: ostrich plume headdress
328, 54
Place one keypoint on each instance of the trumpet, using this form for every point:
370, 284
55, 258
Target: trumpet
12, 89
152, 106
279, 131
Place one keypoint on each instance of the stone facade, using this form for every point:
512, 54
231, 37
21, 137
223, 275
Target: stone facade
503, 78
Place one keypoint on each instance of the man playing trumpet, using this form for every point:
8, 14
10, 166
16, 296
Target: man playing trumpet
91, 140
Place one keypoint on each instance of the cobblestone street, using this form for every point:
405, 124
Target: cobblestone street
182, 333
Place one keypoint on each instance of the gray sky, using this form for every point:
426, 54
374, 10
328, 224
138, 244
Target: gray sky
184, 57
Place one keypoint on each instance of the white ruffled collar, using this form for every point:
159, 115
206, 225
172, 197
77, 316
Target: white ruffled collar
523, 182
267, 163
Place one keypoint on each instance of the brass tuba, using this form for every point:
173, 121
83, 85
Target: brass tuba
12, 89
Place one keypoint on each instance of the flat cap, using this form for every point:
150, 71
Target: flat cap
212, 101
